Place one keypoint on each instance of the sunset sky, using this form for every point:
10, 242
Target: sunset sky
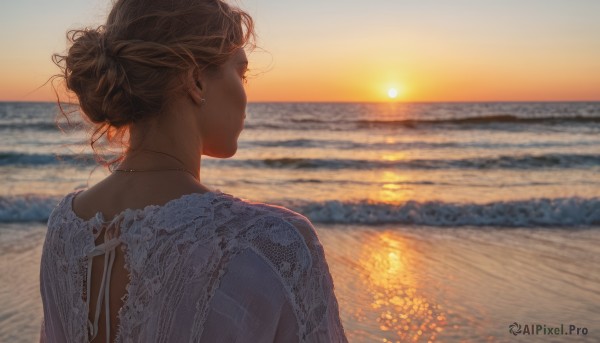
341, 50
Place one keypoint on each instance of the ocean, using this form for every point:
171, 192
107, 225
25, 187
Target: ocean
441, 222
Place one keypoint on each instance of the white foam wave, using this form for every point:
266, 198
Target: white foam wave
543, 212
26, 208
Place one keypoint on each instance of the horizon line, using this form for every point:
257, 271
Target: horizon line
354, 102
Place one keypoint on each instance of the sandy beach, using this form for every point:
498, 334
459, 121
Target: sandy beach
396, 284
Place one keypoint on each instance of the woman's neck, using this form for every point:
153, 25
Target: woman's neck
169, 140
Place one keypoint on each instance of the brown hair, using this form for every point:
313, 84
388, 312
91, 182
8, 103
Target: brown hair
127, 70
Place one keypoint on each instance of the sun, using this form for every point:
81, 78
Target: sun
392, 93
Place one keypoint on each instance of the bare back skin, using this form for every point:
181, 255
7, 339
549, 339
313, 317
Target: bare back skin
112, 196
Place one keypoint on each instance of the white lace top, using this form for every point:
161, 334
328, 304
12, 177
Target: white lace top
205, 267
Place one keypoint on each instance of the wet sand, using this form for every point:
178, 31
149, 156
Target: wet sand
464, 285
396, 284
20, 302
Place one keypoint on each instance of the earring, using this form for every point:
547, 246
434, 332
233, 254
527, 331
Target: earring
202, 100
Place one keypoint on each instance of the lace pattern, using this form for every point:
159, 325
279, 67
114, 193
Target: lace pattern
176, 255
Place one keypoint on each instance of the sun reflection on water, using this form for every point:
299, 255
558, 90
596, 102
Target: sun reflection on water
394, 190
404, 313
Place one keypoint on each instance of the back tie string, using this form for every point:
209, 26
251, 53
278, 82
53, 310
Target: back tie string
107, 248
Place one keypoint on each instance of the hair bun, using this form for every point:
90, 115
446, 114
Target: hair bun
97, 78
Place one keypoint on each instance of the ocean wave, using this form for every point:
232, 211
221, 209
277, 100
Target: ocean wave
499, 162
495, 121
29, 126
482, 120
296, 143
41, 126
23, 159
480, 163
468, 122
560, 212
541, 212
350, 145
337, 123
405, 145
26, 208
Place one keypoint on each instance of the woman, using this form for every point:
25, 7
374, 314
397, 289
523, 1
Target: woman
150, 254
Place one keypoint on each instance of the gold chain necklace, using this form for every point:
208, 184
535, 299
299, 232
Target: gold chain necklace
165, 169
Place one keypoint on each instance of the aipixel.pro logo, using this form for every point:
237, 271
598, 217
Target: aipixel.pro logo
543, 329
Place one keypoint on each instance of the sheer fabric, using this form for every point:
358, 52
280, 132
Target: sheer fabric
205, 267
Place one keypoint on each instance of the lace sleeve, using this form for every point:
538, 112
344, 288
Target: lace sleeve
288, 243
319, 312
247, 306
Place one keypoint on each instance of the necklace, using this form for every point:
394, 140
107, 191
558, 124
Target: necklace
165, 169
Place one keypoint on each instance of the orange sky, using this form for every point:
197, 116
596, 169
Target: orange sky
467, 51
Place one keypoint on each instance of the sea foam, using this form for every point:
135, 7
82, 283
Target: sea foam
543, 212
26, 208
540, 212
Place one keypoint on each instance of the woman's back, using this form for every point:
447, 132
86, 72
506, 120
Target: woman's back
204, 267
150, 254
111, 197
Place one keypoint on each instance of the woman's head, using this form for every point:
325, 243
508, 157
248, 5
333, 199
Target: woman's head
128, 70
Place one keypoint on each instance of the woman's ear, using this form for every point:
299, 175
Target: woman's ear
194, 86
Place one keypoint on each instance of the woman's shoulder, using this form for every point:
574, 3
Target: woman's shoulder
279, 216
62, 208
286, 239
